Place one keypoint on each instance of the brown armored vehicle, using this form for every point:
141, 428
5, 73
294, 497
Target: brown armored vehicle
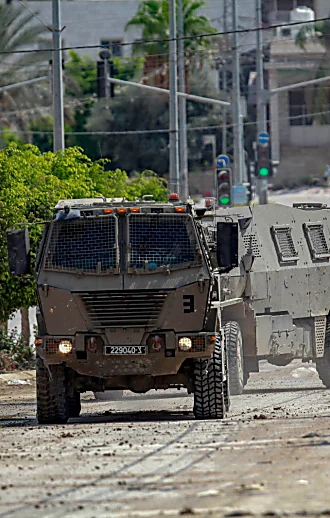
129, 298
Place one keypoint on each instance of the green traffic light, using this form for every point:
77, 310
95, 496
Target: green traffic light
264, 171
225, 200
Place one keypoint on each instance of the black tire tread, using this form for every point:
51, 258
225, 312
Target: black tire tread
323, 364
51, 396
236, 378
210, 386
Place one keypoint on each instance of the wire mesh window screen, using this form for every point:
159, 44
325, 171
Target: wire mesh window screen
316, 240
162, 240
88, 245
284, 243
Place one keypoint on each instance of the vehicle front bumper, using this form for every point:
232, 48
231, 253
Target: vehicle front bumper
165, 361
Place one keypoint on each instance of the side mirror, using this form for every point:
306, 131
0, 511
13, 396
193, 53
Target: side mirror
227, 245
18, 244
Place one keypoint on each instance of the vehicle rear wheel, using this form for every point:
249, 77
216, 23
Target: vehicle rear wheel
74, 405
211, 394
233, 337
51, 393
323, 364
109, 395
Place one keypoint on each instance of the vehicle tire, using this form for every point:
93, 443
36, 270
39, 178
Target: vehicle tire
278, 361
323, 364
73, 403
246, 376
226, 383
233, 337
211, 393
109, 395
51, 393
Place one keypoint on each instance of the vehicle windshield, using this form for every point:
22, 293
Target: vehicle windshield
158, 241
87, 245
154, 242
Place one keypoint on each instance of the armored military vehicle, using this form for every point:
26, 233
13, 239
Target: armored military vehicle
129, 298
279, 291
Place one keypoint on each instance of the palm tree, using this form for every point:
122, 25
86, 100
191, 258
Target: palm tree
152, 18
18, 30
318, 32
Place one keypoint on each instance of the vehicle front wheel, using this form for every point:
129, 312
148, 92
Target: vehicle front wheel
211, 394
52, 405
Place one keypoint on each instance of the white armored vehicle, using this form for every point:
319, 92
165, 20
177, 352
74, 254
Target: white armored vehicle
279, 292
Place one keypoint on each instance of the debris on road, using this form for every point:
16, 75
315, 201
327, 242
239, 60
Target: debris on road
16, 381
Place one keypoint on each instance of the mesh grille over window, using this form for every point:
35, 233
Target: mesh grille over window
87, 245
284, 243
161, 240
316, 240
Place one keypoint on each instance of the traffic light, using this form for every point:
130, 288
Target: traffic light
264, 164
224, 186
101, 80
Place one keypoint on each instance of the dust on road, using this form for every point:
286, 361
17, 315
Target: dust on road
147, 456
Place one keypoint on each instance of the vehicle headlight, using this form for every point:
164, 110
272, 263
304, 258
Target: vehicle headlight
185, 343
65, 346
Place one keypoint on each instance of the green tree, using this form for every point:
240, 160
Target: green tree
152, 18
318, 32
31, 183
138, 111
80, 97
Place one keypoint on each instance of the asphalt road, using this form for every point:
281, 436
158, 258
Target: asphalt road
147, 456
312, 195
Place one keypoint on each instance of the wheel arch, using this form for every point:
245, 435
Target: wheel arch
245, 317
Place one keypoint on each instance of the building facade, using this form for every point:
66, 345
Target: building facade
93, 22
300, 129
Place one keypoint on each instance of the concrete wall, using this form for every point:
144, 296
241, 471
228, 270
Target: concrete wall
299, 163
310, 136
322, 8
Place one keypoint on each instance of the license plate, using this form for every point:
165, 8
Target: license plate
125, 349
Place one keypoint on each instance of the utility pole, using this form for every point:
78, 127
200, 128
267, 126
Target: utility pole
174, 125
224, 78
262, 184
182, 107
236, 104
105, 56
58, 110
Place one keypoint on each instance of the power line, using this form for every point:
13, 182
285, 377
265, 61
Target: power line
167, 40
35, 15
166, 131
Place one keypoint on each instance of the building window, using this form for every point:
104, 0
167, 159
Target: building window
288, 5
301, 113
114, 46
